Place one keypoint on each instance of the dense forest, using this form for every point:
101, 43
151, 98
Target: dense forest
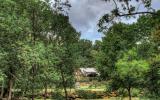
40, 51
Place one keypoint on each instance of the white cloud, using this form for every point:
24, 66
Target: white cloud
84, 16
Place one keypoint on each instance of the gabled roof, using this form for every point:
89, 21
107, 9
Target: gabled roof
89, 71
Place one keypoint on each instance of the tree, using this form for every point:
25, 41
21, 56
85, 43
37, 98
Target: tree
130, 70
120, 37
84, 49
28, 29
153, 77
2, 74
13, 26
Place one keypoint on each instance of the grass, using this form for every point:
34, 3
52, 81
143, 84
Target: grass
93, 88
98, 89
112, 98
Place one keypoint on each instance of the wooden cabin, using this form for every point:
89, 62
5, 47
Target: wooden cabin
85, 73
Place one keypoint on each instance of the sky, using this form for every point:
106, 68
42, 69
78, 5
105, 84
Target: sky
84, 16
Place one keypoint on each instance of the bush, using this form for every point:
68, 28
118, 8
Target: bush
87, 94
147, 94
57, 96
109, 88
122, 92
135, 92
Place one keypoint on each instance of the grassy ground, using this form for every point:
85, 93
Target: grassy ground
112, 98
98, 89
92, 88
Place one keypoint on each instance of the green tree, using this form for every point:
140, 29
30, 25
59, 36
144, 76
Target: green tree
13, 26
120, 37
85, 58
153, 77
30, 32
131, 70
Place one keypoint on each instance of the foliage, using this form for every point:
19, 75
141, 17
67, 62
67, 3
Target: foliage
153, 77
40, 50
131, 70
87, 95
124, 9
130, 66
35, 47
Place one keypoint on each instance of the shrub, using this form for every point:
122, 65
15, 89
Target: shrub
87, 94
57, 96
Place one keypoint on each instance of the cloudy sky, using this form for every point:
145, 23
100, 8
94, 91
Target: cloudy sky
84, 16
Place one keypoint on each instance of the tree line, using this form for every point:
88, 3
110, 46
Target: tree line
40, 50
36, 47
128, 56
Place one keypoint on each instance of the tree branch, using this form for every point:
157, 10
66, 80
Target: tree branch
136, 13
115, 4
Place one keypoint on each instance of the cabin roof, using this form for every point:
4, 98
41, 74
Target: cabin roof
88, 70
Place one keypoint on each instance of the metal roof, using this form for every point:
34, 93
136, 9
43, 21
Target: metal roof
88, 70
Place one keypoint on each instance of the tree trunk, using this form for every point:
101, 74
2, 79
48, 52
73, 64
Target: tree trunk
2, 90
45, 94
129, 93
65, 89
64, 84
34, 42
33, 82
32, 94
10, 89
10, 83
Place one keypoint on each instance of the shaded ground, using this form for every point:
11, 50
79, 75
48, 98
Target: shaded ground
84, 92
